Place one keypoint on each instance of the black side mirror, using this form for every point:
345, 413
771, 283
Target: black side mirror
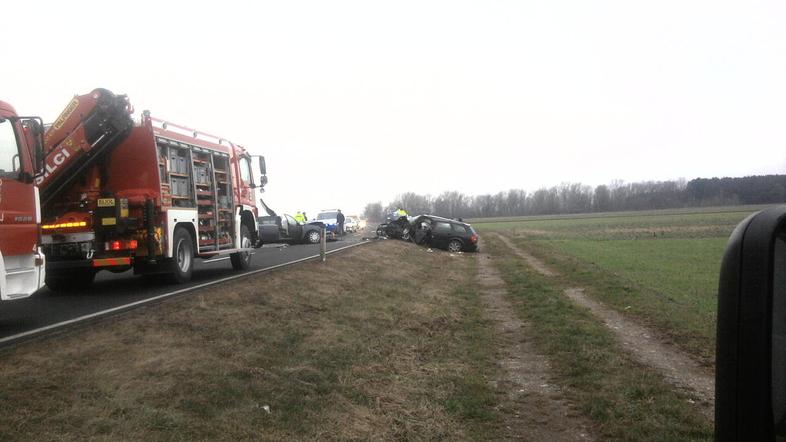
37, 129
750, 372
262, 166
34, 129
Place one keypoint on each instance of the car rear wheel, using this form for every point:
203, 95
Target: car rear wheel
455, 246
313, 237
242, 260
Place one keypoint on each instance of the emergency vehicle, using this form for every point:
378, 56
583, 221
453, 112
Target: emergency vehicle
150, 195
21, 261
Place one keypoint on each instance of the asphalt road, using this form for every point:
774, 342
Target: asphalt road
111, 290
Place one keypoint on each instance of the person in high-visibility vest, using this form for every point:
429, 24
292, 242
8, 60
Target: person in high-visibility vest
401, 213
300, 218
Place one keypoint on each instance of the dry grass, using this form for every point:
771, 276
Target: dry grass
383, 342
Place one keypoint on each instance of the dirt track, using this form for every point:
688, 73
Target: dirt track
535, 408
677, 367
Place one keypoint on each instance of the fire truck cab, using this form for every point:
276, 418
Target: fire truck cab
163, 195
22, 268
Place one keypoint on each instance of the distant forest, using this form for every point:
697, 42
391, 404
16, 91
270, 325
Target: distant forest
579, 198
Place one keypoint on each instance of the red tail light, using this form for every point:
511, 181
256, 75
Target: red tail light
130, 244
473, 238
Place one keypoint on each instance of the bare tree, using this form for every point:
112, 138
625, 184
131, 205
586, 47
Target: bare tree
579, 198
373, 212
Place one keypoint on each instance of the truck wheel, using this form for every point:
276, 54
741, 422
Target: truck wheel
242, 260
74, 280
313, 237
182, 265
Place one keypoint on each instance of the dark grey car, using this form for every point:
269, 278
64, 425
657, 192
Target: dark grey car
444, 233
277, 229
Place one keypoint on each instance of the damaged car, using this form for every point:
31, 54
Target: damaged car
443, 233
395, 229
432, 231
285, 229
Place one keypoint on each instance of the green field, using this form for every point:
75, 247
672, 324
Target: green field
624, 399
661, 267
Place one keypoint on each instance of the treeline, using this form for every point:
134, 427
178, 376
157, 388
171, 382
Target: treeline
579, 198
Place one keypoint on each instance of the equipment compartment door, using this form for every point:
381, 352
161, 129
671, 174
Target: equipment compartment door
18, 220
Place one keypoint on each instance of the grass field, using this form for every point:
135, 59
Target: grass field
624, 399
639, 213
661, 267
385, 342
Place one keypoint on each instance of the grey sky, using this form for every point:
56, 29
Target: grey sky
354, 102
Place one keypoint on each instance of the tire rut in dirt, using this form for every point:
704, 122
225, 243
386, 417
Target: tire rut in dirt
677, 367
534, 407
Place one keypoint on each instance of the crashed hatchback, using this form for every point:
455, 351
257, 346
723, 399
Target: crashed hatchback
444, 233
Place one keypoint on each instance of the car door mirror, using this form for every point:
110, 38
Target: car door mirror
750, 373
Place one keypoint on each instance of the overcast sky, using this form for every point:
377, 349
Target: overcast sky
353, 102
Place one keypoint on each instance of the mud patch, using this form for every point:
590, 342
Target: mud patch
534, 408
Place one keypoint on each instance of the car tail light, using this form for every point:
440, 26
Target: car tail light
473, 238
114, 245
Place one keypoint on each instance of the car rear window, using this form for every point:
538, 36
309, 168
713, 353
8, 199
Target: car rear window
327, 215
458, 228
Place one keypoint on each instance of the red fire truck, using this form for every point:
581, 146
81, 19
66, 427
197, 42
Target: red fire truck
21, 260
149, 195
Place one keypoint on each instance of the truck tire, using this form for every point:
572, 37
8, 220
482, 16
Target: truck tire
182, 264
242, 260
74, 280
313, 236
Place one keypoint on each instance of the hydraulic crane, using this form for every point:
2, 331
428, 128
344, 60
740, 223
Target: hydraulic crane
149, 195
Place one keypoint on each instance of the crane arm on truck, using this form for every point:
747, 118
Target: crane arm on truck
91, 125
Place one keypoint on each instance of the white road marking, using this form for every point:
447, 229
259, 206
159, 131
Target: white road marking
163, 296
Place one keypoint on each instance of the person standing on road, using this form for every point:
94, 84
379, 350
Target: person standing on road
340, 222
299, 217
